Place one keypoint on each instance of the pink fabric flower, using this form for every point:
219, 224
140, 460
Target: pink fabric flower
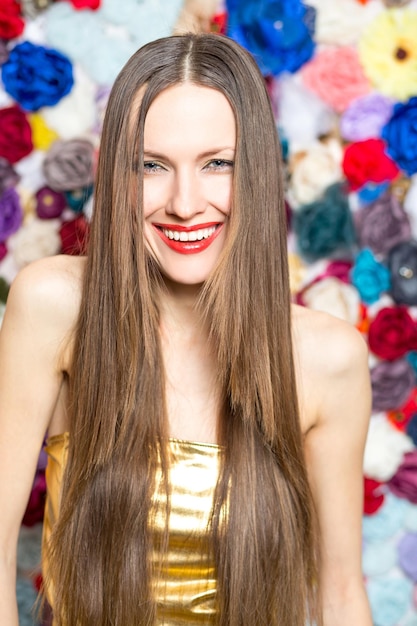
336, 76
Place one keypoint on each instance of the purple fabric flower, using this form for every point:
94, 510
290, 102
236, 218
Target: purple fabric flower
404, 482
382, 224
392, 383
69, 164
11, 214
366, 117
8, 175
49, 203
277, 32
407, 555
400, 133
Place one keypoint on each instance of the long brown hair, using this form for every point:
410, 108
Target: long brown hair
265, 554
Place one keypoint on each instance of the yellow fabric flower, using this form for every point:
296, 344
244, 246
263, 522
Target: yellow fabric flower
388, 52
42, 136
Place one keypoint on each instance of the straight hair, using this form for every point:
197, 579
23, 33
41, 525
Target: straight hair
265, 547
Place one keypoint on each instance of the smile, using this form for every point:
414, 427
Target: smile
188, 239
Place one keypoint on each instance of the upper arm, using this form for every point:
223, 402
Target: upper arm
31, 344
334, 453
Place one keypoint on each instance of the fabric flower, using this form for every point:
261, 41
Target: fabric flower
74, 236
411, 429
42, 136
49, 203
69, 164
77, 198
382, 224
367, 160
333, 296
3, 252
392, 333
404, 482
390, 599
277, 32
15, 134
10, 213
402, 263
8, 175
314, 170
292, 99
392, 383
86, 4
11, 22
336, 76
384, 449
378, 558
370, 277
340, 23
401, 417
75, 114
36, 504
373, 495
365, 117
400, 133
388, 52
34, 240
410, 204
324, 227
386, 522
36, 76
4, 51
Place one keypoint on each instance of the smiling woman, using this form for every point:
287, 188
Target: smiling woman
205, 437
189, 147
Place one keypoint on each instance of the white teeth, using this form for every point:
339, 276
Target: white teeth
194, 235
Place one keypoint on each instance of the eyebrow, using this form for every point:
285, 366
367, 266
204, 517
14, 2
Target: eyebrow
202, 155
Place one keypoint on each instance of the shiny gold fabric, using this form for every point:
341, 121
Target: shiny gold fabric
185, 586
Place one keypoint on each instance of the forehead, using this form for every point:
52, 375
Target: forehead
189, 115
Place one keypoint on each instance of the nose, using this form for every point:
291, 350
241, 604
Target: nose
186, 198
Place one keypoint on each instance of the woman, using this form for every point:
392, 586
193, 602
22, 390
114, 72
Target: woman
208, 434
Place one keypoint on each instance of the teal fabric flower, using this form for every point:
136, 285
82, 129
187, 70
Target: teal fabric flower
370, 277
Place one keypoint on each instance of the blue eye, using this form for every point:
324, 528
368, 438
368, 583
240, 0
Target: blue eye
219, 164
151, 167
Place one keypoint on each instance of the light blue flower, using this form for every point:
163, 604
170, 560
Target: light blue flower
386, 522
389, 599
370, 277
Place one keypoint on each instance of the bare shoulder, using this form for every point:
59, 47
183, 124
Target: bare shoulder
331, 359
45, 297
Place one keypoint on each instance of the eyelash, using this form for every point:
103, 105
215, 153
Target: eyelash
151, 167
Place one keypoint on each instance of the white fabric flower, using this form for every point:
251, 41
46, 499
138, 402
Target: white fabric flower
341, 22
34, 240
75, 114
385, 448
302, 116
313, 171
333, 296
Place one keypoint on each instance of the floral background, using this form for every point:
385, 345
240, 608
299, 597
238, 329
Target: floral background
343, 82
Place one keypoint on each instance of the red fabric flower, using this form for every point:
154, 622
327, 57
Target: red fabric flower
15, 134
392, 333
218, 23
74, 236
11, 23
86, 4
366, 161
403, 415
373, 496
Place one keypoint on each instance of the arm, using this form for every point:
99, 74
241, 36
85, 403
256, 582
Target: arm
334, 452
30, 380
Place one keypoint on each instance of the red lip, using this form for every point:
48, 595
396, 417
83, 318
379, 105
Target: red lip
188, 247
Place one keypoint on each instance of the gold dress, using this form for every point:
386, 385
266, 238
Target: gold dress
185, 590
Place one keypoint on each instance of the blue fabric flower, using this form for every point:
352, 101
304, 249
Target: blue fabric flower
277, 32
325, 227
371, 191
389, 599
400, 133
386, 522
378, 558
36, 76
370, 277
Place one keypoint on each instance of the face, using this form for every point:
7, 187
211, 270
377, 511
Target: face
189, 147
